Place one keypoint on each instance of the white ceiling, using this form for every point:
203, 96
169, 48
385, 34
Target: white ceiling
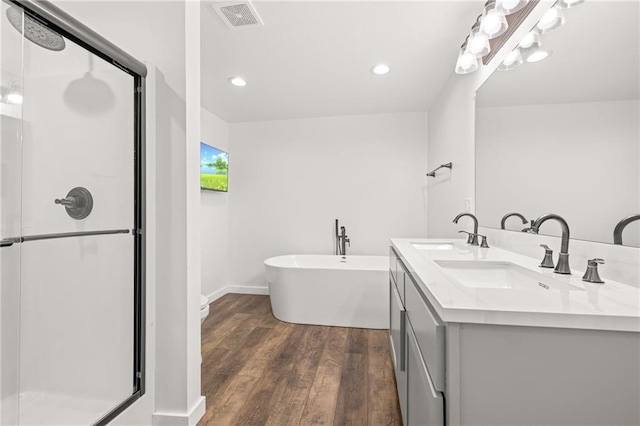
596, 57
312, 59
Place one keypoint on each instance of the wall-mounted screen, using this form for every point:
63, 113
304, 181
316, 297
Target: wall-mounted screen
214, 168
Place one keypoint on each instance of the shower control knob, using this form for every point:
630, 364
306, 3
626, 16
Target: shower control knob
78, 203
69, 201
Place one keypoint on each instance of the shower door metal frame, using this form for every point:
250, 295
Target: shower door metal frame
59, 21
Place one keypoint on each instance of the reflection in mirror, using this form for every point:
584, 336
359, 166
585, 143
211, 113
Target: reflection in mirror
562, 135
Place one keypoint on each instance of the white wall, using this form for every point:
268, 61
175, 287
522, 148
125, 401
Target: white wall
214, 215
578, 160
289, 180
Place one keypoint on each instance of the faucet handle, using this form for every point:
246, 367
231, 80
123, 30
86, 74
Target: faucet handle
472, 239
547, 261
484, 241
591, 274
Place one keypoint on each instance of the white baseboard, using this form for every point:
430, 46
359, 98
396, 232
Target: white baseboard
239, 289
181, 419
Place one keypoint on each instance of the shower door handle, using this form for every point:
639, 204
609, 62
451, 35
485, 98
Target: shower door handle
6, 243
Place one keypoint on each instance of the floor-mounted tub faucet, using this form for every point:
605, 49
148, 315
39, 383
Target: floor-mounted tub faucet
617, 232
473, 238
562, 267
341, 240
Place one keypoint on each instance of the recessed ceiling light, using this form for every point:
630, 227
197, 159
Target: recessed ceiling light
380, 69
238, 81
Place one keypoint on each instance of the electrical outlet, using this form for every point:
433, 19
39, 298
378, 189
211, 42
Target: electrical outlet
467, 205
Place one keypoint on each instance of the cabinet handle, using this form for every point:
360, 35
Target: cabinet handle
403, 339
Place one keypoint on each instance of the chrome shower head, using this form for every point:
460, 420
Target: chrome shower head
34, 30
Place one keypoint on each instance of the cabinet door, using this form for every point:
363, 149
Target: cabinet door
425, 405
398, 346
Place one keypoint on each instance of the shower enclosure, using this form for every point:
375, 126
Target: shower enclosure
71, 221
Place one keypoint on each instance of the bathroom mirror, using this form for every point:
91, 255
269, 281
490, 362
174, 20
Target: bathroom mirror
562, 135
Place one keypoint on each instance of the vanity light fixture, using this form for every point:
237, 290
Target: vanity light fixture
551, 20
478, 42
493, 21
238, 81
380, 69
490, 31
508, 7
467, 61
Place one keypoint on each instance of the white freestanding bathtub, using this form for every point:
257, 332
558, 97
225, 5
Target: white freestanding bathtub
345, 291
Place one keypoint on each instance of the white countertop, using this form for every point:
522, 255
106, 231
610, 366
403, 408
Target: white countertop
609, 306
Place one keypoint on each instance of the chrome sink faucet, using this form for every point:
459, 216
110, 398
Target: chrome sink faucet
562, 267
617, 232
508, 215
473, 237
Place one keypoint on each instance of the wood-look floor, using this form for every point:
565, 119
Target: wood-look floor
257, 370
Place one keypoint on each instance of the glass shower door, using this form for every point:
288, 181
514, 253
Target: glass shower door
77, 303
70, 307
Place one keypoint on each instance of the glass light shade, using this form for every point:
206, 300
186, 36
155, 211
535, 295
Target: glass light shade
531, 40
478, 43
493, 22
511, 6
567, 4
467, 62
513, 60
537, 55
550, 21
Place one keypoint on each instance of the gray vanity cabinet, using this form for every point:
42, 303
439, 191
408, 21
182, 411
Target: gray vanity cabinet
417, 349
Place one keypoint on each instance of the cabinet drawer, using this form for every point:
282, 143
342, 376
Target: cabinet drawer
429, 331
425, 405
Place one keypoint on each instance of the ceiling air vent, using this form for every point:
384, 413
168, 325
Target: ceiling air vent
237, 14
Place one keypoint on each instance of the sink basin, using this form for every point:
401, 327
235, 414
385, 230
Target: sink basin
500, 275
433, 246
